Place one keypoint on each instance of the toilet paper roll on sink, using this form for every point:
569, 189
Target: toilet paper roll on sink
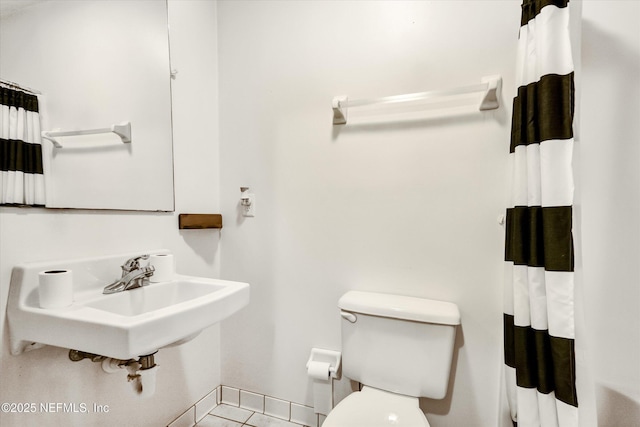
322, 387
164, 267
55, 288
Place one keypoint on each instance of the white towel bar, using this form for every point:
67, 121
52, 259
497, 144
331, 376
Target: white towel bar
123, 130
491, 86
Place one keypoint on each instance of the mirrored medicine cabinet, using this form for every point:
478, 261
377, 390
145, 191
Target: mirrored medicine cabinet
98, 63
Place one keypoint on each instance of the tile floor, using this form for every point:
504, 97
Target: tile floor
231, 416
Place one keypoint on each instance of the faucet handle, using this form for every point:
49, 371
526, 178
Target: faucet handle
133, 263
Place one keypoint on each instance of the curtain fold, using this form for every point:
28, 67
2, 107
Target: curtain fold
539, 330
21, 171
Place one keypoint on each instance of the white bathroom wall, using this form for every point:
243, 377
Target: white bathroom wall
407, 207
187, 373
610, 175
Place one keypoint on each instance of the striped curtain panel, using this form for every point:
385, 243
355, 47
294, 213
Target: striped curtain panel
21, 173
539, 289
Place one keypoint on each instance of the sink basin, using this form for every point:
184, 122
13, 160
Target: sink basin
151, 298
123, 325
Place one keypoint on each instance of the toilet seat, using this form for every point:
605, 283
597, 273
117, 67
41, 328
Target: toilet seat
373, 407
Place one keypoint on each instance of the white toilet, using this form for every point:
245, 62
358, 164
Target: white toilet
399, 348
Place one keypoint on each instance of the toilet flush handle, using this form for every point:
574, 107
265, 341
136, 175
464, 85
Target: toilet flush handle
349, 316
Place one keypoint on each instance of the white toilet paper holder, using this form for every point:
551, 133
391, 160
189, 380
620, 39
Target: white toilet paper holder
333, 358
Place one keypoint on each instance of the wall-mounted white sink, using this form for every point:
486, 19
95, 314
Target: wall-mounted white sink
122, 325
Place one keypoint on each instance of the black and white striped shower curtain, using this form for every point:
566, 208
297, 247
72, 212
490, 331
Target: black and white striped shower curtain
539, 327
21, 172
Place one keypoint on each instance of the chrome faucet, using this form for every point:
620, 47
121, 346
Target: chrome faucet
132, 276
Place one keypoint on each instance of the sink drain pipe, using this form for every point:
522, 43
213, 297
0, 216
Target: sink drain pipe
141, 373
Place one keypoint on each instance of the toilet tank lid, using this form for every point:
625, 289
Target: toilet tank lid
400, 307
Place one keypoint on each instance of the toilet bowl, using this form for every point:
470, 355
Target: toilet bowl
399, 348
372, 407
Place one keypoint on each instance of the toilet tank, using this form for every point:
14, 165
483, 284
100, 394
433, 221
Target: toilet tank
398, 343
